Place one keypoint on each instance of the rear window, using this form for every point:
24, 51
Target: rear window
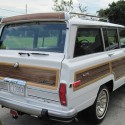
38, 36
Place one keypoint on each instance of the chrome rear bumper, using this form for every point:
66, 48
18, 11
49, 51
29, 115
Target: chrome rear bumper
33, 108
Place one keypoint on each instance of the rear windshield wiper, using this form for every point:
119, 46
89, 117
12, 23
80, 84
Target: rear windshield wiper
28, 54
44, 54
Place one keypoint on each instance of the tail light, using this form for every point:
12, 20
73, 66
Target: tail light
62, 94
76, 84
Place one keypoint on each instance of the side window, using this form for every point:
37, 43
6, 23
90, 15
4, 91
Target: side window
122, 38
110, 38
106, 39
88, 40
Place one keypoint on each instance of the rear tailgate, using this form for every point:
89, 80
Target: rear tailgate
33, 76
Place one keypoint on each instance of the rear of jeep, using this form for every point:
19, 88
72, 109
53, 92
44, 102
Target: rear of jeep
31, 55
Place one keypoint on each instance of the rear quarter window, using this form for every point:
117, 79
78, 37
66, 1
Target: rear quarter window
88, 41
110, 39
122, 37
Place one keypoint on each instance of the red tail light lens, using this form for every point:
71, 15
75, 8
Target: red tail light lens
77, 83
62, 94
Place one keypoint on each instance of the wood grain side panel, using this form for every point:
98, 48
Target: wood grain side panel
36, 76
118, 68
92, 74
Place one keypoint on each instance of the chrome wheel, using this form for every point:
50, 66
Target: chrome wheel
102, 103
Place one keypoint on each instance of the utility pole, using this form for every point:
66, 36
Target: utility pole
26, 8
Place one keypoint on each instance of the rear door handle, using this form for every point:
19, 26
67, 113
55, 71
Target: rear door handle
110, 54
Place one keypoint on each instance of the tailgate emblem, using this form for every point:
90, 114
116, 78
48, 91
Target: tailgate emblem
16, 65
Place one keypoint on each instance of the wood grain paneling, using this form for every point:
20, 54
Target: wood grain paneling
36, 76
37, 16
118, 68
91, 75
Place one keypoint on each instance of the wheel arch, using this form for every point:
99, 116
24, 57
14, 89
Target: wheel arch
109, 85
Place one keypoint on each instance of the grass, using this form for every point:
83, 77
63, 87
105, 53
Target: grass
17, 42
90, 39
122, 40
27, 42
0, 123
47, 42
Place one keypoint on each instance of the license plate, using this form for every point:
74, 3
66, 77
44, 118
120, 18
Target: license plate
16, 86
17, 89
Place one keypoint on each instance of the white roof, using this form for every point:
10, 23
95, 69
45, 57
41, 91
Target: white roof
79, 21
59, 16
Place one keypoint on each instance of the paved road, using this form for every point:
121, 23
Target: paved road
115, 115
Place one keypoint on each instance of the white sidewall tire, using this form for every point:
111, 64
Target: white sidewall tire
94, 116
103, 97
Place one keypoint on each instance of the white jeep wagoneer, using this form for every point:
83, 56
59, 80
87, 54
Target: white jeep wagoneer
55, 65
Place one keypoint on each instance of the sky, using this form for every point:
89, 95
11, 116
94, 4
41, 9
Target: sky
18, 7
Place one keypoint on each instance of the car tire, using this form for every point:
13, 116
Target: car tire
98, 110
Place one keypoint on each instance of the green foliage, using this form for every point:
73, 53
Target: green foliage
62, 5
115, 12
0, 123
102, 13
21, 42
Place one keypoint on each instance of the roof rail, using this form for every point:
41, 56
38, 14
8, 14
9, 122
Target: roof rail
91, 17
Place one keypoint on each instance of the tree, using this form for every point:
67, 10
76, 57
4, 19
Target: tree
115, 12
102, 13
82, 8
63, 5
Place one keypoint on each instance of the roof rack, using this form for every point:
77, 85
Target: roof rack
88, 17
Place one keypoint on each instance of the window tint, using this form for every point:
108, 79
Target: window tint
88, 40
122, 38
110, 38
37, 36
